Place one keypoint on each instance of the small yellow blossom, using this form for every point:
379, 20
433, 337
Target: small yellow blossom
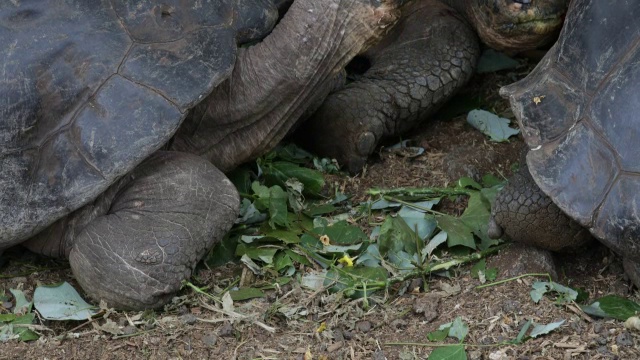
322, 327
346, 260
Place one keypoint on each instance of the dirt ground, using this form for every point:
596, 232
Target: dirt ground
394, 326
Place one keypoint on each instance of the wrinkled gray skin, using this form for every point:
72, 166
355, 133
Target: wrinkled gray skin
583, 159
85, 110
428, 56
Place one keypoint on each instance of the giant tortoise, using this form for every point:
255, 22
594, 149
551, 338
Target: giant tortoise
579, 111
428, 56
97, 161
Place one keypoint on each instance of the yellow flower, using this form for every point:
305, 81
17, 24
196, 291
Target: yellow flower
346, 260
322, 327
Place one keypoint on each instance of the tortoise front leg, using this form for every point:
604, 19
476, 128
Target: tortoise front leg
138, 241
427, 57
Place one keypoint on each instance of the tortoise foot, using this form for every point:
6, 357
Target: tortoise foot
164, 218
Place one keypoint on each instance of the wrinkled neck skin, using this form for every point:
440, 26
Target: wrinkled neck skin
274, 82
510, 26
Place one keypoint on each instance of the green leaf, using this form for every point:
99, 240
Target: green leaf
403, 261
492, 60
278, 172
62, 302
292, 153
274, 200
245, 294
300, 259
437, 240
465, 182
612, 306
439, 335
395, 235
491, 274
23, 306
490, 124
342, 233
257, 253
459, 329
521, 335
544, 329
26, 334
453, 352
322, 209
223, 252
540, 288
458, 233
421, 224
480, 266
370, 257
476, 216
286, 236
7, 317
282, 261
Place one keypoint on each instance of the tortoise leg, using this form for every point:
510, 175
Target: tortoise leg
527, 215
138, 241
416, 68
632, 269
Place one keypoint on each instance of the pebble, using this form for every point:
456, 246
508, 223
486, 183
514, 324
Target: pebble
210, 339
226, 330
624, 339
363, 326
188, 319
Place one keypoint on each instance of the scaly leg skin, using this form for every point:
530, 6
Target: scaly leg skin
138, 241
527, 215
277, 80
429, 55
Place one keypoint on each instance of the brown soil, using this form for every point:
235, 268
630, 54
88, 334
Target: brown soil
190, 329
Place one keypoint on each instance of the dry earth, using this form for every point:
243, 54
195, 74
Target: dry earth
192, 328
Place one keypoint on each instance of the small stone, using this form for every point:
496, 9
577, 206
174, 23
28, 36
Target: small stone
348, 335
601, 340
597, 327
624, 339
129, 330
7, 305
188, 319
511, 306
427, 304
210, 339
363, 326
226, 330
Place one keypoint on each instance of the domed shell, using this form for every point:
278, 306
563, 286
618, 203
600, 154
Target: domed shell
579, 111
88, 89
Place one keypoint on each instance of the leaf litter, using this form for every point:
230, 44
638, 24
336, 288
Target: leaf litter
267, 235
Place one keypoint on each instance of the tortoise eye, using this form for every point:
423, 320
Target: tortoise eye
523, 1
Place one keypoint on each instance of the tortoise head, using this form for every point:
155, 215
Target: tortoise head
517, 25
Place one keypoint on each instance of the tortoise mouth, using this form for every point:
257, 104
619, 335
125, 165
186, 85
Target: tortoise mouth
516, 26
540, 26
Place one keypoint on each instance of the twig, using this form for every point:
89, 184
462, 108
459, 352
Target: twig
236, 315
